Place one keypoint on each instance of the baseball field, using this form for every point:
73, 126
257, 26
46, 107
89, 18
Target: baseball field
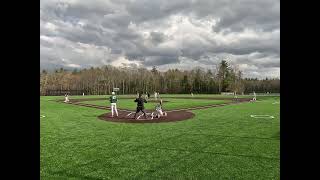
203, 137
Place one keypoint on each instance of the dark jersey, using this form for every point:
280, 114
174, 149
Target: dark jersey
113, 99
140, 102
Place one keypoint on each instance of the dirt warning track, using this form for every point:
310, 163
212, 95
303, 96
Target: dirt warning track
127, 116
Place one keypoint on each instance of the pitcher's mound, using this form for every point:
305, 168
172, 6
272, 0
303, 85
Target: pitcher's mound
128, 117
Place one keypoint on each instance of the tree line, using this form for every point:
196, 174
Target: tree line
102, 80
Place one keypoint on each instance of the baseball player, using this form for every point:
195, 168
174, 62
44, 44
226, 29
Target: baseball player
254, 96
235, 95
155, 95
140, 106
66, 98
159, 111
113, 100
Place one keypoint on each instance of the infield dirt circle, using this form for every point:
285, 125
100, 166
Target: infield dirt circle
128, 117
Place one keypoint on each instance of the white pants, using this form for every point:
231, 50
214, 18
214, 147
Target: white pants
66, 99
114, 108
161, 113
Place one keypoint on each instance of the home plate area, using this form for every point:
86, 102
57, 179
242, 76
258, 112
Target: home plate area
128, 116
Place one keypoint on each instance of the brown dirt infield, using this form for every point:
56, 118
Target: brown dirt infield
126, 115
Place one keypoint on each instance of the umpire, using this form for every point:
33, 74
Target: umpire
140, 106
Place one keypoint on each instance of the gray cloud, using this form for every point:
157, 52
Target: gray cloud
166, 33
157, 37
160, 60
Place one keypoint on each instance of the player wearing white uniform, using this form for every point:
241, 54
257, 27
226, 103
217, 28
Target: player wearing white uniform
155, 95
254, 96
66, 98
159, 111
113, 100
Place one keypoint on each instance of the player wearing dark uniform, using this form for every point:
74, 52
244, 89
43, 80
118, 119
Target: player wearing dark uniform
140, 106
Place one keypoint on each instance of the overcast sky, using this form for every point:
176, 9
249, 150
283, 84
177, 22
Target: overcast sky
167, 34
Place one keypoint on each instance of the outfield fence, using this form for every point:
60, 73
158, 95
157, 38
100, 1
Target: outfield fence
63, 92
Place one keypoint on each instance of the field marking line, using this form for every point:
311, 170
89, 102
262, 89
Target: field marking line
130, 113
142, 114
276, 103
262, 116
139, 116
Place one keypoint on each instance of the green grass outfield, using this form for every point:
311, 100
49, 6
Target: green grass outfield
218, 143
